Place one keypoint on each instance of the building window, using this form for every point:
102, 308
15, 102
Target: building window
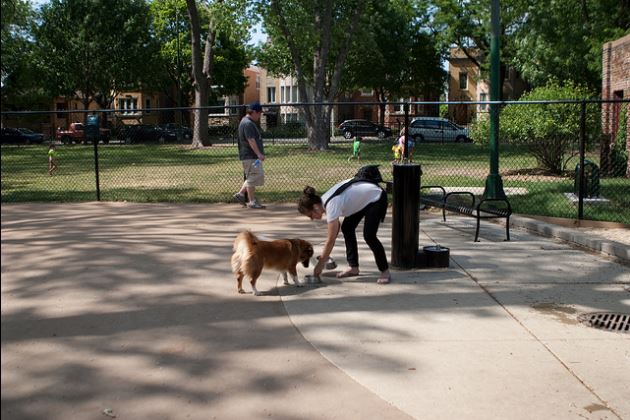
463, 80
400, 107
271, 95
61, 107
483, 96
291, 117
128, 105
147, 105
294, 94
367, 92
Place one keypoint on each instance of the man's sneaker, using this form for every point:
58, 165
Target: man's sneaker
240, 198
255, 205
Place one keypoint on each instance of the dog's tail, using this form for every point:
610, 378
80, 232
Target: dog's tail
243, 245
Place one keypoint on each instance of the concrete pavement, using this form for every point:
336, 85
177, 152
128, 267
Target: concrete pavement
131, 310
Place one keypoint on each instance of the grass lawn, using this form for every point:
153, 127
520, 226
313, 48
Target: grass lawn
176, 173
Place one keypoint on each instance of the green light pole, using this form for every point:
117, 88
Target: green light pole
494, 184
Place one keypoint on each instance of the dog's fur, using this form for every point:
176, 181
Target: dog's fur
252, 254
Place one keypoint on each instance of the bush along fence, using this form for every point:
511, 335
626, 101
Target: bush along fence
564, 159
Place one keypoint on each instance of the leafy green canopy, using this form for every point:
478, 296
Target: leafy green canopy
543, 40
402, 56
94, 48
20, 88
171, 28
562, 40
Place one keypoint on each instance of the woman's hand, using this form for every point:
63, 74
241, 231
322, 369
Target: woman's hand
319, 267
332, 232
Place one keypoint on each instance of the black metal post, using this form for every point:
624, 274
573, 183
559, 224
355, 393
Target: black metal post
405, 223
98, 186
582, 153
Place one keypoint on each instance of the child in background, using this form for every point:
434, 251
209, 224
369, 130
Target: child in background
397, 149
356, 149
52, 159
410, 144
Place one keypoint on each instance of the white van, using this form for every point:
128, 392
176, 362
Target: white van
434, 129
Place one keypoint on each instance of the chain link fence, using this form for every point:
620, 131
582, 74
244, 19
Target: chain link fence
148, 155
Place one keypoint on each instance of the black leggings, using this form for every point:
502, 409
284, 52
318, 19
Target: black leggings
373, 213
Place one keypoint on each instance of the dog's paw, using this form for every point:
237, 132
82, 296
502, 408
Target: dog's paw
286, 283
241, 291
257, 293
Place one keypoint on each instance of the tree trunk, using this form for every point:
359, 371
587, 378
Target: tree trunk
201, 74
319, 130
324, 86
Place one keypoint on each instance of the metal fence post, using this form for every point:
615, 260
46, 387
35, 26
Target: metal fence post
582, 153
96, 171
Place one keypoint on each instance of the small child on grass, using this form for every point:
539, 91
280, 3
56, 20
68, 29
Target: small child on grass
397, 149
52, 159
356, 149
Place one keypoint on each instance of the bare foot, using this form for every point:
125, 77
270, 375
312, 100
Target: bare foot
349, 272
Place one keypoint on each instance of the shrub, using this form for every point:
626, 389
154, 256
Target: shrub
619, 153
479, 129
551, 131
444, 110
288, 130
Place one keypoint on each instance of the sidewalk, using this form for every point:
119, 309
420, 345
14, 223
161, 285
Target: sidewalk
494, 336
131, 310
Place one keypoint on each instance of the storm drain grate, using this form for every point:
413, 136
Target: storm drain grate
606, 321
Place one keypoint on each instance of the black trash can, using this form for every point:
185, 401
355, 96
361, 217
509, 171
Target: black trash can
591, 180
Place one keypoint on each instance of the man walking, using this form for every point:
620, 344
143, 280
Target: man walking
252, 155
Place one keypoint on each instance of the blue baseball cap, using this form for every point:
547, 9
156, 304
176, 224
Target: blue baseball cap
255, 106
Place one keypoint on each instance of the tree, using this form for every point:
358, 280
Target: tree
20, 85
93, 49
466, 25
560, 40
228, 25
542, 39
311, 39
172, 30
402, 56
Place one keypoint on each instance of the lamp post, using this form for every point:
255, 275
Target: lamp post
494, 184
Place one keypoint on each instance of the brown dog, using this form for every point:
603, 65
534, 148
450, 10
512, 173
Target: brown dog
252, 254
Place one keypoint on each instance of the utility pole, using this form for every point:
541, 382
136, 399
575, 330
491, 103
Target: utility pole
494, 184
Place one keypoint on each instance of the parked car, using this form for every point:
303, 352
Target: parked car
434, 129
181, 132
146, 133
76, 133
20, 136
363, 128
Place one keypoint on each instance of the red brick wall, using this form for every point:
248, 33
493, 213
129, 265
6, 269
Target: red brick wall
615, 85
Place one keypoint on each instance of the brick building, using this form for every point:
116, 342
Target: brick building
615, 85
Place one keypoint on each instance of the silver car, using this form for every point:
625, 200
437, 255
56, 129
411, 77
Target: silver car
434, 129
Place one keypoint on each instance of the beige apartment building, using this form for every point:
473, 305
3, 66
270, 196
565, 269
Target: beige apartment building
465, 83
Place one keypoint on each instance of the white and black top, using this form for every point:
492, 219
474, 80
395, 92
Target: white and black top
351, 201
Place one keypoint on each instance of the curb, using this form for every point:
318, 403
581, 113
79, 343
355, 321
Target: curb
593, 242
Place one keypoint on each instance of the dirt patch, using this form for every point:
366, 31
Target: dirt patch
537, 173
